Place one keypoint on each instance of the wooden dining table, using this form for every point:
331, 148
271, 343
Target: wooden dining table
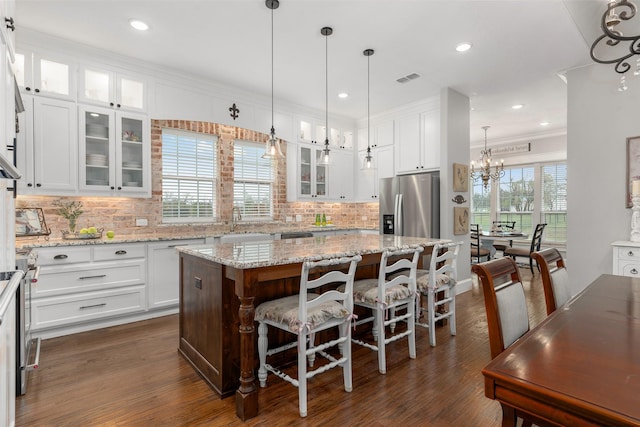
580, 366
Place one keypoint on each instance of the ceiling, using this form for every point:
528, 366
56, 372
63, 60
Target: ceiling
519, 49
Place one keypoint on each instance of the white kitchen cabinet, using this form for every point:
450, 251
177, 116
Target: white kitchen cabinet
382, 134
45, 74
112, 89
418, 143
312, 176
114, 152
47, 147
341, 176
369, 180
79, 286
313, 131
164, 272
626, 258
7, 31
8, 351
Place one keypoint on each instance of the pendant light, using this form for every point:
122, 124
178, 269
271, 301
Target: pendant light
324, 158
367, 163
272, 147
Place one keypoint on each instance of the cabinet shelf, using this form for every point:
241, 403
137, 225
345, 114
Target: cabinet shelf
98, 138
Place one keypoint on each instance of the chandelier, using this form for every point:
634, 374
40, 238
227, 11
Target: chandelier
484, 171
614, 46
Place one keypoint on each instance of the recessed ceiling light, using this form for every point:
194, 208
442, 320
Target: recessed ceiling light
544, 123
463, 47
138, 25
343, 95
95, 115
517, 106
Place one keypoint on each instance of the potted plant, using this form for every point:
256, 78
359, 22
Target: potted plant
70, 211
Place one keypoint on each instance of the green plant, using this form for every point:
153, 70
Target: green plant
70, 211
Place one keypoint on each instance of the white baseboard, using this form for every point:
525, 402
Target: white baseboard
464, 286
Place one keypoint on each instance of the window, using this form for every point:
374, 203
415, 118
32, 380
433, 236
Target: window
528, 195
516, 197
554, 201
189, 176
253, 179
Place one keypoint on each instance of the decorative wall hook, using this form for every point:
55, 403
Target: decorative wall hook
459, 199
234, 111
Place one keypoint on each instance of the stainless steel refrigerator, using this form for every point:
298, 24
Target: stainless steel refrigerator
410, 205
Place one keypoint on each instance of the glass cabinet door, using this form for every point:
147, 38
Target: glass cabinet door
131, 152
54, 77
131, 93
96, 86
97, 127
305, 171
321, 175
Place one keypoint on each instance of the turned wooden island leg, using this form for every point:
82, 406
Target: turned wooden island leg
247, 394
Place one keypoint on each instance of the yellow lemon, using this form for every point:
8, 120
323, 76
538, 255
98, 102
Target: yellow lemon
92, 230
110, 234
84, 231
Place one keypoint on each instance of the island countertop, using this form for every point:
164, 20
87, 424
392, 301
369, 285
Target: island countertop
291, 251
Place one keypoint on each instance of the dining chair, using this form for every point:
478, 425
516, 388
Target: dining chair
477, 251
306, 314
390, 292
555, 279
506, 308
441, 277
506, 226
536, 241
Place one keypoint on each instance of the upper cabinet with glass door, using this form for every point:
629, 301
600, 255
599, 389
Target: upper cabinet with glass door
45, 75
112, 89
314, 131
115, 153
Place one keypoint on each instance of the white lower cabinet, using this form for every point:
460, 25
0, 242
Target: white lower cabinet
84, 287
626, 258
164, 274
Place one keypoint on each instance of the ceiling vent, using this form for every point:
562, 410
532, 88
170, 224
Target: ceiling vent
408, 78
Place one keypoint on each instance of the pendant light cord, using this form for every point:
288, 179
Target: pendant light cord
368, 105
326, 87
272, 114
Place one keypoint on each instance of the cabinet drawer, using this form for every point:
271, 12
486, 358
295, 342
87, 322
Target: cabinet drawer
59, 311
629, 269
63, 255
97, 276
628, 253
118, 252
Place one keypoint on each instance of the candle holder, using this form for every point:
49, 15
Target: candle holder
635, 218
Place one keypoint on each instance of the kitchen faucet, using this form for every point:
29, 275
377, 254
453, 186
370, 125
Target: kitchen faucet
236, 215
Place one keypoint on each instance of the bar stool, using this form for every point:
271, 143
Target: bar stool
304, 315
439, 279
382, 294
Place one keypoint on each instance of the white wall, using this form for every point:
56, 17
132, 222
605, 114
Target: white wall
454, 148
600, 118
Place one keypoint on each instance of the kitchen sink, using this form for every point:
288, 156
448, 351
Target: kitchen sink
245, 237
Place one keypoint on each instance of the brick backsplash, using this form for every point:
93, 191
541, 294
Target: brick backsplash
119, 213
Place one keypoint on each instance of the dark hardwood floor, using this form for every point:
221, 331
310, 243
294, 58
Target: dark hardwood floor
132, 375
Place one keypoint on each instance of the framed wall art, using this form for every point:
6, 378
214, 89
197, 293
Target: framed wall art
460, 220
633, 165
460, 177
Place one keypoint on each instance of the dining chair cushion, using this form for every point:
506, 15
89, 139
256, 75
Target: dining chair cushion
512, 308
366, 290
560, 283
285, 311
518, 251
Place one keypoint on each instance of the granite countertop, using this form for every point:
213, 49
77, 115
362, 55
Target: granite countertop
140, 238
291, 251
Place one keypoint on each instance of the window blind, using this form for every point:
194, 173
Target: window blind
253, 181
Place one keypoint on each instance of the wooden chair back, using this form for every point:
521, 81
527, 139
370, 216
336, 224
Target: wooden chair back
476, 251
555, 279
504, 300
536, 239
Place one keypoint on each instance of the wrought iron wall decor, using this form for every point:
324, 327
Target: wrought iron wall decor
234, 111
613, 40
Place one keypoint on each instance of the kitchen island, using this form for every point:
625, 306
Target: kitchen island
221, 284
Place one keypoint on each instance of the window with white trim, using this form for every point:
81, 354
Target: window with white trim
253, 179
189, 176
527, 194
